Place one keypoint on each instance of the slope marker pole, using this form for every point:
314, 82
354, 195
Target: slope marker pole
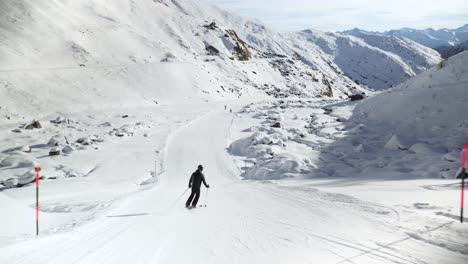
463, 176
37, 170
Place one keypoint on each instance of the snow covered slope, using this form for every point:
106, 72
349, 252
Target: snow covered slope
72, 55
413, 131
421, 123
98, 53
433, 100
375, 61
428, 37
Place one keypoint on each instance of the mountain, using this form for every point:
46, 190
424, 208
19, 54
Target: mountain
449, 51
432, 99
68, 55
376, 61
428, 37
419, 124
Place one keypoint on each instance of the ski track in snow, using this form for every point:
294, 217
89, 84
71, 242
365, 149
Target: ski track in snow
244, 222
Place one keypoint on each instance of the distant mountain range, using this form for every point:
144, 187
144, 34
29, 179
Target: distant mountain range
428, 37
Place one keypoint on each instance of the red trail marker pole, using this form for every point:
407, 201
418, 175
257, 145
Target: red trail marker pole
463, 176
37, 170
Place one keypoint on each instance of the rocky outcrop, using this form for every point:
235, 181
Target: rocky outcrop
241, 50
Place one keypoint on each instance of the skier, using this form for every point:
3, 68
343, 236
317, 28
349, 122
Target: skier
195, 183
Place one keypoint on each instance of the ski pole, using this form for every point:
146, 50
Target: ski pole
179, 198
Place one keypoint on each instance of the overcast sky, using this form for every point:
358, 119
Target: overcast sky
336, 15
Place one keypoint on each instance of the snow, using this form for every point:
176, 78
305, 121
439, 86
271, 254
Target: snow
128, 94
244, 221
428, 37
379, 62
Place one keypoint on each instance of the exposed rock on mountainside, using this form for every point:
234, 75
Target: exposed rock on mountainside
162, 51
449, 51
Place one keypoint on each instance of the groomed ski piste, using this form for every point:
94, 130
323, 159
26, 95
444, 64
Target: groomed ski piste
354, 219
129, 99
250, 221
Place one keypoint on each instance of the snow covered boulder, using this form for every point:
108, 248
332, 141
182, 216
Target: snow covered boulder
259, 145
26, 149
356, 130
56, 140
105, 124
241, 147
356, 97
84, 141
68, 149
19, 160
276, 125
7, 162
54, 152
10, 183
274, 115
396, 143
124, 131
26, 178
422, 148
34, 124
60, 120
279, 167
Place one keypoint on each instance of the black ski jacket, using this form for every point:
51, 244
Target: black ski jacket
196, 180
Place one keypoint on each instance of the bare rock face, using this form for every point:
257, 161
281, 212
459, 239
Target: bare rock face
356, 97
240, 48
33, 125
84, 141
212, 50
276, 125
54, 152
212, 26
328, 88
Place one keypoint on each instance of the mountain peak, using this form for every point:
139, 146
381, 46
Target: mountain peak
428, 37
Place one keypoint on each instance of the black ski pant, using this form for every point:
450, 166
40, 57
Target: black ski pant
195, 194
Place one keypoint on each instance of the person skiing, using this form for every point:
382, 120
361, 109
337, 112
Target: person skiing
195, 183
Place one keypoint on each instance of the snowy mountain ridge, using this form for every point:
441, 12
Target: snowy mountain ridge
135, 47
428, 37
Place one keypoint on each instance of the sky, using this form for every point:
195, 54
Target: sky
337, 15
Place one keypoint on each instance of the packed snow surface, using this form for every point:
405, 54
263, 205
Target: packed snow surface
326, 221
119, 101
